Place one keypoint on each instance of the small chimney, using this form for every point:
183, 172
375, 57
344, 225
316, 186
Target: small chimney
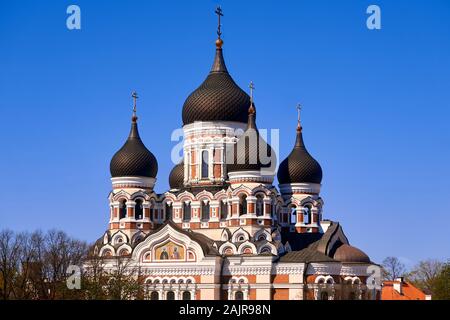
398, 282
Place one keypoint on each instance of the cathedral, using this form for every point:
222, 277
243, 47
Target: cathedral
223, 231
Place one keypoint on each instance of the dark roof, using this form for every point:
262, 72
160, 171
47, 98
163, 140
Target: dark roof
299, 166
176, 176
306, 255
300, 241
133, 159
305, 247
218, 98
331, 246
310, 247
251, 152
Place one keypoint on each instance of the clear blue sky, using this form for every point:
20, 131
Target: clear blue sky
376, 105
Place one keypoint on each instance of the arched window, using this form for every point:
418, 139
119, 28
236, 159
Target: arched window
293, 214
324, 296
170, 295
168, 212
223, 209
205, 211
122, 209
186, 295
259, 205
138, 209
307, 214
154, 295
205, 167
243, 205
186, 211
352, 295
239, 295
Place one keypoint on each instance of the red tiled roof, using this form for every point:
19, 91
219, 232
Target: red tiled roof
409, 292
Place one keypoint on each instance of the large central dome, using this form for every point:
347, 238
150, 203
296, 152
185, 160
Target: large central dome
218, 98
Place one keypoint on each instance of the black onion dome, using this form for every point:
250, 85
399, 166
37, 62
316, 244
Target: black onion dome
299, 166
218, 98
133, 159
176, 177
245, 154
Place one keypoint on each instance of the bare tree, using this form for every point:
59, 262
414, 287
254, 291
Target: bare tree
393, 268
9, 263
425, 273
123, 281
34, 266
22, 286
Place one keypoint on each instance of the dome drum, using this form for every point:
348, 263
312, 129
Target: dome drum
133, 182
302, 187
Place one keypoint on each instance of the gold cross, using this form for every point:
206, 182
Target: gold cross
219, 14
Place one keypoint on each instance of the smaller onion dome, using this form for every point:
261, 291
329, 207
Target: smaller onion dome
299, 166
251, 152
133, 159
347, 253
176, 177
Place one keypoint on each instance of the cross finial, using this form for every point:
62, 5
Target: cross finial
219, 14
299, 108
135, 97
252, 87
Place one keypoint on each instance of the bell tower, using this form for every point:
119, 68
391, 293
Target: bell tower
133, 168
300, 177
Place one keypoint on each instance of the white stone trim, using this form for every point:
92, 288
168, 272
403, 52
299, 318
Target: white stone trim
133, 181
309, 188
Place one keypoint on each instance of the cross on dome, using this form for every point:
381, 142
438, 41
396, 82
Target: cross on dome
135, 97
299, 109
219, 14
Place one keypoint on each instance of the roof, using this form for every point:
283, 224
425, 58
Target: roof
133, 159
306, 246
176, 176
409, 291
306, 255
218, 98
347, 253
299, 166
321, 247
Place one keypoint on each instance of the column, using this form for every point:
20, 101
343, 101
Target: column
130, 209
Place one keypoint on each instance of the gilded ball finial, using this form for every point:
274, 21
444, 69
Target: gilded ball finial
219, 43
251, 110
